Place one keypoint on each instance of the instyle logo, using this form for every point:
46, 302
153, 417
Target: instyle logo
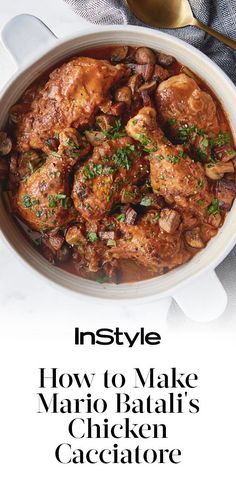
105, 337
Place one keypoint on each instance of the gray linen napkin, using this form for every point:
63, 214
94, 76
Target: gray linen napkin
219, 14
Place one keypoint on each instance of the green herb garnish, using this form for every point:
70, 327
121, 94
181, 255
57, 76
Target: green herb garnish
55, 154
121, 218
214, 208
92, 236
146, 201
27, 201
114, 132
221, 139
121, 157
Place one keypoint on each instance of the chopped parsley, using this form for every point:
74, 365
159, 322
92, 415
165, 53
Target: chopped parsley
121, 157
51, 202
144, 140
27, 201
64, 200
201, 155
205, 142
92, 170
214, 208
160, 158
55, 154
201, 203
201, 183
35, 201
111, 243
114, 132
39, 213
92, 236
128, 194
121, 218
187, 130
174, 159
146, 201
172, 121
223, 138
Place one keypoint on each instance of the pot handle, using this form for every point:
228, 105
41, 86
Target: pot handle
25, 37
204, 299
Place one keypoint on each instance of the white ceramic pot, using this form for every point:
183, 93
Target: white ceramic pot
194, 285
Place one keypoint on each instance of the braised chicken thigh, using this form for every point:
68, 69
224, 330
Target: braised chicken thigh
70, 97
43, 198
173, 174
108, 177
181, 101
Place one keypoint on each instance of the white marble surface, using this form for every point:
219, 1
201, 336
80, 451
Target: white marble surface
19, 287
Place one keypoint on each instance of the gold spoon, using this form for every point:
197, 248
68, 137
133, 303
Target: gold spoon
172, 14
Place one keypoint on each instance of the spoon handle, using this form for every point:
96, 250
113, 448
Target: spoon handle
222, 38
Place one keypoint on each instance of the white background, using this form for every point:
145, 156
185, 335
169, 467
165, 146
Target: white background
37, 327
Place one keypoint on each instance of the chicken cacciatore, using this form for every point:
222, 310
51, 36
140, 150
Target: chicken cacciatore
119, 164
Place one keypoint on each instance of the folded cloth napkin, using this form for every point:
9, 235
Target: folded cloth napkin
219, 14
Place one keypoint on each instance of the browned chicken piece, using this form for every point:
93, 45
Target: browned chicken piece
148, 245
110, 176
42, 199
181, 102
116, 240
174, 175
70, 98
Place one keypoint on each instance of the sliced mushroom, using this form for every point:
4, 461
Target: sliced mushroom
16, 111
124, 95
105, 122
207, 232
194, 239
106, 105
148, 87
5, 143
217, 171
145, 70
169, 220
146, 90
134, 82
4, 168
74, 236
215, 220
94, 137
143, 55
165, 59
119, 53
